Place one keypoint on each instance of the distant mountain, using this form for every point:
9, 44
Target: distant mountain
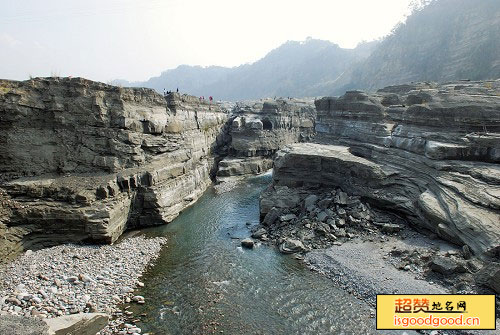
294, 69
445, 40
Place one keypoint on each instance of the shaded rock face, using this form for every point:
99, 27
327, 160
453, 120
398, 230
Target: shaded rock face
232, 166
263, 127
260, 128
84, 160
430, 152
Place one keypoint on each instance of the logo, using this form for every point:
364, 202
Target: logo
441, 311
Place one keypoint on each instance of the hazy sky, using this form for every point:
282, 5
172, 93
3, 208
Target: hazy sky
137, 39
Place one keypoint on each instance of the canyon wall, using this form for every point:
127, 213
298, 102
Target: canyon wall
260, 128
425, 151
81, 160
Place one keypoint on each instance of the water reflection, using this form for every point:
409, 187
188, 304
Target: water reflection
205, 283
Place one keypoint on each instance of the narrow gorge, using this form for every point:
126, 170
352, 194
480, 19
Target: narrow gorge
85, 162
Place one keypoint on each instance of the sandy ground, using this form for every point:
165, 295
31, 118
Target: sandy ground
366, 268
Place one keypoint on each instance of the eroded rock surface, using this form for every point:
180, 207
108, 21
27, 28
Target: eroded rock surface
427, 151
85, 160
260, 128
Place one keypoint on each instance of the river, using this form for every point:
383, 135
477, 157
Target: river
205, 283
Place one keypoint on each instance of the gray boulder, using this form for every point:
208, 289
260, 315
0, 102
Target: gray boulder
310, 200
259, 233
247, 243
290, 246
446, 266
271, 217
489, 276
76, 324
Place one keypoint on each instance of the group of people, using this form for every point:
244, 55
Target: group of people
165, 92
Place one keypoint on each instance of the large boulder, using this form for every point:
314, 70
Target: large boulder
447, 266
489, 276
76, 324
290, 246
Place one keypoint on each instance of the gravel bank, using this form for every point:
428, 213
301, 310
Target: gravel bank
70, 279
366, 268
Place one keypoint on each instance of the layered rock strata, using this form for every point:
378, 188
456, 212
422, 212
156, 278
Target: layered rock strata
260, 128
84, 160
425, 151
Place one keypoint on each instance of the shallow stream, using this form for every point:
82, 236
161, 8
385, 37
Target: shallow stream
205, 283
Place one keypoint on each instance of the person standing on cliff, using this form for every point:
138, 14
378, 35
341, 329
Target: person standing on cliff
177, 90
164, 93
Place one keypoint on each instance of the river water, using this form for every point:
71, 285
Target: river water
205, 283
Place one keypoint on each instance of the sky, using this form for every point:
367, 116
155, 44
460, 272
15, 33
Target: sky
137, 39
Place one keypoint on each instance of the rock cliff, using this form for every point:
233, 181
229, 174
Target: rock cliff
83, 160
443, 41
425, 151
260, 128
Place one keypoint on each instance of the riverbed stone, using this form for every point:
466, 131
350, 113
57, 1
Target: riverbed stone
391, 228
290, 246
322, 216
82, 324
466, 252
446, 266
48, 301
489, 276
259, 233
247, 243
14, 324
341, 198
310, 200
271, 217
288, 217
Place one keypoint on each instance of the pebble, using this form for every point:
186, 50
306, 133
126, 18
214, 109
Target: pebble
52, 282
137, 298
43, 294
84, 278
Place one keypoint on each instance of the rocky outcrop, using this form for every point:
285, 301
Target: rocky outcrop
233, 166
84, 160
425, 151
260, 128
81, 324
